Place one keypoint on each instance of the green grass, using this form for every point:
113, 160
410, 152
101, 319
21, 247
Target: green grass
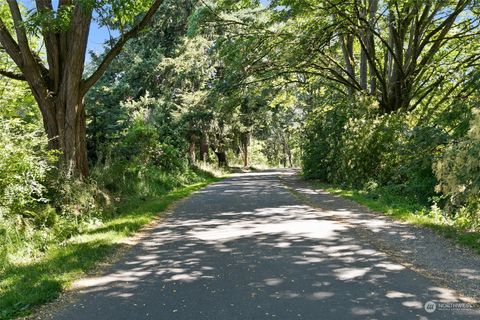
405, 209
23, 286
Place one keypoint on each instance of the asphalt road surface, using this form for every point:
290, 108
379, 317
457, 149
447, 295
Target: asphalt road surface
246, 248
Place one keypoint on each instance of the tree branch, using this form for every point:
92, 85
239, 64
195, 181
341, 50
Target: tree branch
117, 48
12, 75
10, 45
51, 44
20, 29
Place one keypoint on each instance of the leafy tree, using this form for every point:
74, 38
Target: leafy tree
458, 172
156, 73
58, 84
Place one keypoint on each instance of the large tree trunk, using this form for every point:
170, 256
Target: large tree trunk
65, 124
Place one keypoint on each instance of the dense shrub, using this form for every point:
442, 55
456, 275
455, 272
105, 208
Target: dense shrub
458, 173
151, 136
321, 140
25, 164
355, 146
40, 206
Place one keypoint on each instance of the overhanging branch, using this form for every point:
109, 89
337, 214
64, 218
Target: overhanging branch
117, 48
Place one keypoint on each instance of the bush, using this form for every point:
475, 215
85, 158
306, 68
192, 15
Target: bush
25, 164
355, 146
151, 136
24, 167
38, 206
458, 173
321, 141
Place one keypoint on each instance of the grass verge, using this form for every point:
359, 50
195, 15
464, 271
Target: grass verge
405, 209
23, 286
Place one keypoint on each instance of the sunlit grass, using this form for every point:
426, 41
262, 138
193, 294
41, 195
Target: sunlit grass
405, 209
25, 285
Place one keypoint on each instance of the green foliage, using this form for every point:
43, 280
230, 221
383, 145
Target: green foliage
117, 13
24, 165
152, 136
458, 173
136, 96
49, 20
354, 146
320, 138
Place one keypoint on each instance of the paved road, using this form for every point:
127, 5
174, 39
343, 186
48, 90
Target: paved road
245, 248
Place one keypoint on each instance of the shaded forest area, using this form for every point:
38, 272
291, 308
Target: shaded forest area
380, 96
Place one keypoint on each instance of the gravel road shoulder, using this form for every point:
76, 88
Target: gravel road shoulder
419, 248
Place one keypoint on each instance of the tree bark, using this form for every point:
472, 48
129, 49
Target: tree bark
222, 159
346, 42
204, 155
363, 53
245, 143
373, 5
64, 121
192, 149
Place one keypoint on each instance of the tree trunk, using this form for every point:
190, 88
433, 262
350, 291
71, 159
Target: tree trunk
346, 43
204, 156
373, 5
363, 69
65, 124
222, 159
245, 143
285, 152
191, 149
363, 53
289, 151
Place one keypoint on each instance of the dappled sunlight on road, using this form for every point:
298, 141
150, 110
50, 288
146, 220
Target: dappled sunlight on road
291, 222
226, 255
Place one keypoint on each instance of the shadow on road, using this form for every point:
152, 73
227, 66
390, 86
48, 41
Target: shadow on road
245, 248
